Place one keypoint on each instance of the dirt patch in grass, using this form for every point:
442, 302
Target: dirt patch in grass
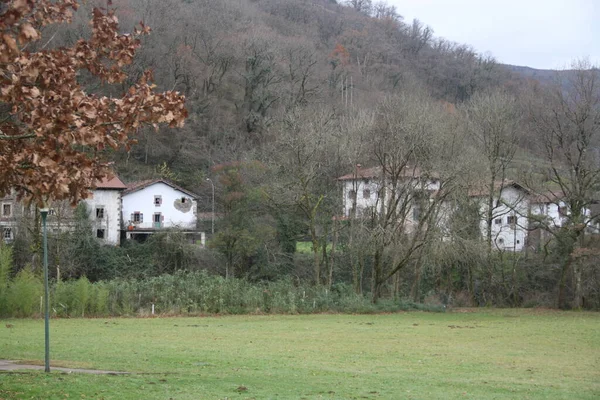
55, 363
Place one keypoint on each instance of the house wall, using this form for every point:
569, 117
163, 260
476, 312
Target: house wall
110, 200
362, 203
505, 235
8, 221
174, 213
445, 213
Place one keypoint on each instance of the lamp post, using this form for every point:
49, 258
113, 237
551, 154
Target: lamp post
44, 212
213, 206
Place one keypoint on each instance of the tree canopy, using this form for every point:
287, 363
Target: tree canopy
54, 133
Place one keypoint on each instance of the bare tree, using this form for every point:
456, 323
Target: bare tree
493, 123
417, 152
362, 6
568, 125
303, 154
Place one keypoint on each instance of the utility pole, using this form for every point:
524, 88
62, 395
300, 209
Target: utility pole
44, 213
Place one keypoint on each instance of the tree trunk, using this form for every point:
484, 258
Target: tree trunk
489, 220
316, 258
376, 281
562, 284
567, 245
470, 283
332, 256
415, 290
578, 291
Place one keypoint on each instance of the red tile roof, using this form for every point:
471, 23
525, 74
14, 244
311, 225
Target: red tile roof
375, 172
111, 183
550, 197
139, 185
482, 189
362, 173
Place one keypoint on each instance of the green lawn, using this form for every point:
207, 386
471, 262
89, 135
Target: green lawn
495, 354
306, 247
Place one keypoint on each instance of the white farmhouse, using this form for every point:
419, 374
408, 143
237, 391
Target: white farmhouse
549, 212
152, 205
362, 190
552, 206
509, 217
104, 205
8, 220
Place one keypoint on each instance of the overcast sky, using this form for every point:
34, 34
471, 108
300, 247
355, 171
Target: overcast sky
534, 33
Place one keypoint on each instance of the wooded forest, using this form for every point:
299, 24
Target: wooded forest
283, 97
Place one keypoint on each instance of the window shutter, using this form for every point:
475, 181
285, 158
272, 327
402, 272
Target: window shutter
141, 217
131, 218
162, 218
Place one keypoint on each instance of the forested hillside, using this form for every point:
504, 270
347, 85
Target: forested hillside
243, 65
286, 96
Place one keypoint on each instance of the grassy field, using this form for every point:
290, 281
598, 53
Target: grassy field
492, 354
306, 247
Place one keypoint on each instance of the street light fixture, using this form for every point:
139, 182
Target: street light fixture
44, 213
213, 206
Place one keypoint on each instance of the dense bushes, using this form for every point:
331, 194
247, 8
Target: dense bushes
180, 278
187, 293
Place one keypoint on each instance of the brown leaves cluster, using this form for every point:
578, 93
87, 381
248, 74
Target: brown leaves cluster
51, 141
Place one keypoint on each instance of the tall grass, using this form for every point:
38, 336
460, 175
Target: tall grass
5, 269
24, 294
190, 293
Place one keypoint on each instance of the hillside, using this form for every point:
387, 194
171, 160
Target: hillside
242, 65
284, 98
545, 76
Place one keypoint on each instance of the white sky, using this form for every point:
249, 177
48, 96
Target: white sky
535, 33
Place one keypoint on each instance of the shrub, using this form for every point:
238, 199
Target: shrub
23, 295
5, 269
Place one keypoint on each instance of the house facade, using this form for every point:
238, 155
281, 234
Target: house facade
363, 190
9, 212
514, 207
104, 205
153, 205
115, 210
510, 210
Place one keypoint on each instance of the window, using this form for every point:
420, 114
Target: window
416, 211
137, 217
420, 201
183, 200
562, 211
157, 218
51, 211
100, 233
7, 233
366, 194
157, 200
511, 220
352, 194
6, 210
99, 212
498, 221
518, 242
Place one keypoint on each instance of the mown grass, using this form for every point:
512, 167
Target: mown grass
495, 354
306, 247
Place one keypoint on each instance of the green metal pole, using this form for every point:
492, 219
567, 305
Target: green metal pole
44, 213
